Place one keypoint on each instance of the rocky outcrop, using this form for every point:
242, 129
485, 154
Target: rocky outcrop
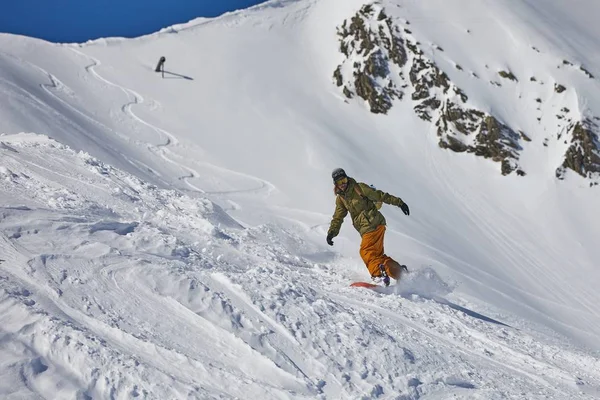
493, 139
558, 88
583, 153
500, 143
383, 62
508, 75
375, 53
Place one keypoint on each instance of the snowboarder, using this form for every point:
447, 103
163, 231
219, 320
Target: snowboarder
363, 203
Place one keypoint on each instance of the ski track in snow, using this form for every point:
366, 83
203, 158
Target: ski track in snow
100, 286
449, 343
497, 229
192, 293
171, 141
56, 84
162, 149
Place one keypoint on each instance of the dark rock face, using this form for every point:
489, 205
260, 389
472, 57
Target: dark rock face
583, 154
493, 139
385, 62
376, 53
508, 75
500, 143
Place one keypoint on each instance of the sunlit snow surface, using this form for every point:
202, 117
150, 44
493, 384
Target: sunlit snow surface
168, 242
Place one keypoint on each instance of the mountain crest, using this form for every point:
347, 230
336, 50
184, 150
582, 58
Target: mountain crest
583, 154
384, 62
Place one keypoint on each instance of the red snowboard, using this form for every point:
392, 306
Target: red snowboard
403, 270
365, 285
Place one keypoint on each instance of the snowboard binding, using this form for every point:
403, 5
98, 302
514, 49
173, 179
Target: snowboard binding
383, 279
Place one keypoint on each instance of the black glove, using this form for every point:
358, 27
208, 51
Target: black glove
405, 209
330, 239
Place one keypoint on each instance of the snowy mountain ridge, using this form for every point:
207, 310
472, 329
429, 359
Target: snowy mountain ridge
384, 61
164, 238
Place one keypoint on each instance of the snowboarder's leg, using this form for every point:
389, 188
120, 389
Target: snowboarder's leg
371, 250
372, 253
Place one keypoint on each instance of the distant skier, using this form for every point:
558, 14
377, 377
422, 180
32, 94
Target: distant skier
160, 67
363, 203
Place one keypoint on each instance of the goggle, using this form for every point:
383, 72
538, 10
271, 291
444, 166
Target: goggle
341, 181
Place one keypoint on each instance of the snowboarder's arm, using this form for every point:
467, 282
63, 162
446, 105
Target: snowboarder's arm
377, 195
338, 217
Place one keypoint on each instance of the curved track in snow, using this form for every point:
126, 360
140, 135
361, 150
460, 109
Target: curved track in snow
163, 149
171, 141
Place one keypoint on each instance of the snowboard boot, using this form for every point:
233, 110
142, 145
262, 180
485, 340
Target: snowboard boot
395, 270
383, 279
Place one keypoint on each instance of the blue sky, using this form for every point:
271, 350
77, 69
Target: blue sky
81, 20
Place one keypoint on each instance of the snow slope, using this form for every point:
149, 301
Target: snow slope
168, 241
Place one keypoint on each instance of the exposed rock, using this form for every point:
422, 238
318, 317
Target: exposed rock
366, 88
461, 94
347, 92
498, 142
337, 75
376, 51
385, 61
583, 155
585, 71
508, 75
453, 144
454, 118
558, 88
423, 109
397, 52
524, 136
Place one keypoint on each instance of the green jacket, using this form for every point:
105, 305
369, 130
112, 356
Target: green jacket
361, 205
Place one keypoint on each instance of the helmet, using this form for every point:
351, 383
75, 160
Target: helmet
338, 174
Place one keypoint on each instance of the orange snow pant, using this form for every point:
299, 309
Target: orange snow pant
371, 251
